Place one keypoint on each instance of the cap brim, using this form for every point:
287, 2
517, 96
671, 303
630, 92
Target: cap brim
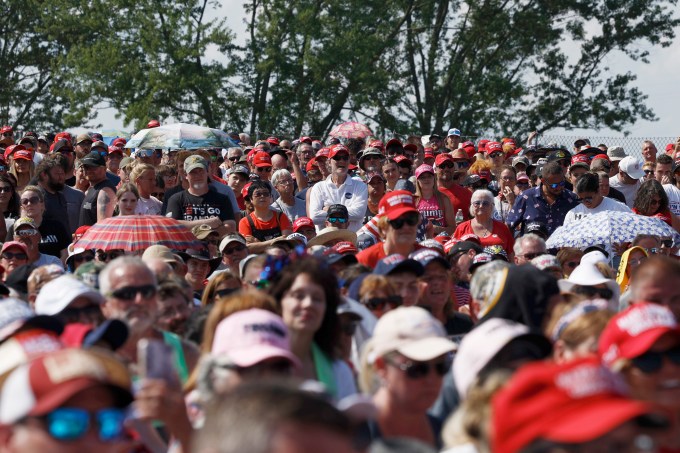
642, 343
115, 332
345, 235
592, 419
248, 357
396, 213
409, 265
426, 348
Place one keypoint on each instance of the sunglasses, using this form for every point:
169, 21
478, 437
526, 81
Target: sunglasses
586, 199
129, 292
234, 159
648, 172
417, 370
592, 291
446, 165
232, 250
378, 303
460, 164
6, 189
264, 169
83, 257
531, 256
556, 185
70, 423
226, 292
337, 220
105, 256
409, 219
14, 256
651, 362
341, 157
26, 233
492, 155
31, 200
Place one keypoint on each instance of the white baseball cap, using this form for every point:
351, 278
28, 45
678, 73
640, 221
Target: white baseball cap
57, 294
632, 166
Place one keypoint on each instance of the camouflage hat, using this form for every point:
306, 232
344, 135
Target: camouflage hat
25, 221
88, 273
193, 162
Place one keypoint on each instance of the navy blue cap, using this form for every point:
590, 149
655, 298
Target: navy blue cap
426, 256
398, 263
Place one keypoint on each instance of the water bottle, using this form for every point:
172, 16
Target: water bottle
459, 216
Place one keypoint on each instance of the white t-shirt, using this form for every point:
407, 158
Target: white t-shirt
582, 211
149, 206
628, 190
673, 198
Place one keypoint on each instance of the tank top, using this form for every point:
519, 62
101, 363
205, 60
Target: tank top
431, 210
268, 234
88, 212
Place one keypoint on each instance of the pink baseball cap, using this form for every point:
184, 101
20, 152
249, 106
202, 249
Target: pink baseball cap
424, 168
249, 337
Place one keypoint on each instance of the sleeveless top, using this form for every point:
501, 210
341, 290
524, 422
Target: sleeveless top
431, 210
88, 212
268, 234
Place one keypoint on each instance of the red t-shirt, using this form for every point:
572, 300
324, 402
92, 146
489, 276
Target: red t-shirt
460, 199
369, 257
500, 235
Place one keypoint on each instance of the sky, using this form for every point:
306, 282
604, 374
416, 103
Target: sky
658, 80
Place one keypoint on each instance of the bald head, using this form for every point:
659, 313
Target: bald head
656, 280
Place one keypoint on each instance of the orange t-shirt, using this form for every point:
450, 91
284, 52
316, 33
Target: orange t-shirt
278, 220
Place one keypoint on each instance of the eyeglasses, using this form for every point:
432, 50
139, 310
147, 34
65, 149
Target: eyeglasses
556, 185
31, 200
409, 219
260, 194
483, 204
105, 256
83, 257
232, 250
651, 362
653, 251
531, 256
285, 182
129, 292
378, 303
341, 157
337, 220
14, 256
593, 291
586, 200
418, 370
6, 189
264, 169
26, 233
71, 423
446, 165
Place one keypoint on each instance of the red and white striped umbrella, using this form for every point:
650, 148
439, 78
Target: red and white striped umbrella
350, 129
138, 232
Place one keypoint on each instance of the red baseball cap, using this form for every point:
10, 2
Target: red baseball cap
251, 154
12, 149
670, 148
573, 402
120, 141
6, 129
377, 144
397, 203
302, 222
323, 152
442, 239
305, 139
393, 141
344, 248
429, 154
580, 160
508, 140
152, 124
481, 145
337, 149
63, 135
601, 156
449, 244
411, 147
311, 163
244, 190
493, 147
23, 154
441, 158
471, 237
273, 141
634, 331
115, 149
262, 159
80, 231
400, 159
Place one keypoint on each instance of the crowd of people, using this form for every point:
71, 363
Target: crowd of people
340, 296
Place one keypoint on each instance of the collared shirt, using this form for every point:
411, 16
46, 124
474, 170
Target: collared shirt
531, 206
352, 193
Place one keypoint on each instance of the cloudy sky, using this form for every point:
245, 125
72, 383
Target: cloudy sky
658, 80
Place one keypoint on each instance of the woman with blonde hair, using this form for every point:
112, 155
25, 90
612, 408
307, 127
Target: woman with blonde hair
630, 260
143, 176
22, 168
221, 285
378, 295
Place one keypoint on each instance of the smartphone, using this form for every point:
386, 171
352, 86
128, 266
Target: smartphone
156, 360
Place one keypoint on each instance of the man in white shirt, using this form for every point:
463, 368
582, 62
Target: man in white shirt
587, 188
338, 188
673, 190
629, 178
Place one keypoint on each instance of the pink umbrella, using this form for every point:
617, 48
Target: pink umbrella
350, 129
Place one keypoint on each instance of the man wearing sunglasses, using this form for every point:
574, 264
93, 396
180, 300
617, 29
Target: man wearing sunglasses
130, 291
338, 188
70, 400
547, 203
26, 231
337, 216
